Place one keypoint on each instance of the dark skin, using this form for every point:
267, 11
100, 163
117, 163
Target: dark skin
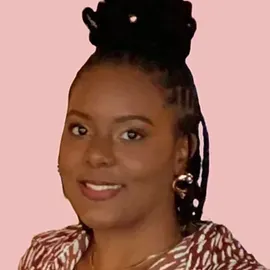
119, 128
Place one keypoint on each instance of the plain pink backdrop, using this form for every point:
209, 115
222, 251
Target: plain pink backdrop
43, 44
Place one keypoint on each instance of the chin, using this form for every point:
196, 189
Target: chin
100, 221
101, 215
96, 217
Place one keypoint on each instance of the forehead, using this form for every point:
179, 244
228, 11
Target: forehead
116, 89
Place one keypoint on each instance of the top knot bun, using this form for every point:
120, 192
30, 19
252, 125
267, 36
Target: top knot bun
159, 29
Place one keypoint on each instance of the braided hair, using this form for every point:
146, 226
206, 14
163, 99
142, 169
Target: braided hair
156, 36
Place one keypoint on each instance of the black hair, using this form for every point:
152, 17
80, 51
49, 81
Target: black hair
156, 36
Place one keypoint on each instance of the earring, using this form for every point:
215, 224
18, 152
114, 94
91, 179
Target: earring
181, 183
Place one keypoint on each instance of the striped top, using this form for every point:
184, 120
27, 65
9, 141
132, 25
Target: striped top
211, 247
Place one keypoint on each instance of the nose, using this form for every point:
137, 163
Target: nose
100, 153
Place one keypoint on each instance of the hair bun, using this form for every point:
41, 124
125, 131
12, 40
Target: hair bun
157, 28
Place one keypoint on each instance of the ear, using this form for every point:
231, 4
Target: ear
185, 148
181, 155
193, 144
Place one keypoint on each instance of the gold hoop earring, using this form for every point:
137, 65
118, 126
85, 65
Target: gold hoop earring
181, 183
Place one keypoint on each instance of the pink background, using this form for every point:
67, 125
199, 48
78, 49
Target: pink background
43, 43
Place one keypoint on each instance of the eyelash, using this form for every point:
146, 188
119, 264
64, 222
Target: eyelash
138, 132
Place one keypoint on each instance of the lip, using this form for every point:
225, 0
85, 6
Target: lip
98, 195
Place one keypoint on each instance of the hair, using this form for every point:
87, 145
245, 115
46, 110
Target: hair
155, 35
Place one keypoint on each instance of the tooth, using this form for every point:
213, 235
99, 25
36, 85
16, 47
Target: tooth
102, 187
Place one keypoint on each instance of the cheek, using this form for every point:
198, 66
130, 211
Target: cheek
156, 149
149, 174
70, 154
148, 160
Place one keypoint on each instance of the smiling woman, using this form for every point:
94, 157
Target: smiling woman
129, 158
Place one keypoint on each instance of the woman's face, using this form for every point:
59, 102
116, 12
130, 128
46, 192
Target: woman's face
118, 154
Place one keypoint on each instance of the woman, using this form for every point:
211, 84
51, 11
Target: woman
129, 159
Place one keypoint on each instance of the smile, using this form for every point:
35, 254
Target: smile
99, 192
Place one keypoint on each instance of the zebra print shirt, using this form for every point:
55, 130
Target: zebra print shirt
211, 247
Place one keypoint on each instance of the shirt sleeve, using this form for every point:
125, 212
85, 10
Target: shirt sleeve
236, 256
28, 260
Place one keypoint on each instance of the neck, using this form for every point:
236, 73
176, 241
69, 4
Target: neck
123, 247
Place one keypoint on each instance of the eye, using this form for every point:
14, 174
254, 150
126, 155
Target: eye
77, 130
132, 135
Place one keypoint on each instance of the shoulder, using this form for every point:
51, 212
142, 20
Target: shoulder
48, 247
214, 244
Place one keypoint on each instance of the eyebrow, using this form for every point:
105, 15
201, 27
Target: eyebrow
120, 119
80, 114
